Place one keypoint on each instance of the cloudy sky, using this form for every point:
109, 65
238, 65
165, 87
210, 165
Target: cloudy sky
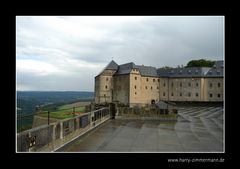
65, 53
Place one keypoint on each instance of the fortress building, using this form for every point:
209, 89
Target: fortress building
139, 85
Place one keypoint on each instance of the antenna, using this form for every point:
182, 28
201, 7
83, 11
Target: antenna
112, 57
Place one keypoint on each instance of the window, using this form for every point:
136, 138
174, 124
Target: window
145, 87
147, 79
219, 84
189, 84
210, 95
157, 87
189, 94
135, 87
153, 80
172, 84
172, 94
151, 87
106, 87
135, 78
106, 79
158, 80
210, 85
180, 94
196, 84
164, 84
104, 95
196, 94
181, 84
163, 93
135, 93
219, 95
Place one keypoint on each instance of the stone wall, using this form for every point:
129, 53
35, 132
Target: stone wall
180, 89
143, 90
51, 137
146, 113
213, 89
104, 86
39, 121
121, 89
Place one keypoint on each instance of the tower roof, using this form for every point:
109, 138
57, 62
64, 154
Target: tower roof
111, 66
126, 68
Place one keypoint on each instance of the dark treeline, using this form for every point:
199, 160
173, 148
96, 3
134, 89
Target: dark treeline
195, 63
200, 63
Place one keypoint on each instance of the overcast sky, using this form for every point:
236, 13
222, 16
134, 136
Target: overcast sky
65, 53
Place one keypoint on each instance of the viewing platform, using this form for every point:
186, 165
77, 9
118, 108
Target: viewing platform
197, 129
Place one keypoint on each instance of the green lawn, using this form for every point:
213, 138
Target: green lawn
63, 113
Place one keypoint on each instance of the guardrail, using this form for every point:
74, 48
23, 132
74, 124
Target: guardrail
51, 137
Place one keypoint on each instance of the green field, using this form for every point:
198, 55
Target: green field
63, 113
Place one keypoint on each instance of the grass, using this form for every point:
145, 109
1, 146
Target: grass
71, 105
62, 113
23, 128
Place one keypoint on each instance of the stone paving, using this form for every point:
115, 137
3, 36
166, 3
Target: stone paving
198, 129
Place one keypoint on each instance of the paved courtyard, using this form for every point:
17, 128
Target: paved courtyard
198, 129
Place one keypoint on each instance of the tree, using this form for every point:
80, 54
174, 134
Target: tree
167, 67
200, 63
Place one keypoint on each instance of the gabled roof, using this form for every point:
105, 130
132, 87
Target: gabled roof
215, 71
218, 64
125, 68
144, 70
111, 66
147, 71
183, 72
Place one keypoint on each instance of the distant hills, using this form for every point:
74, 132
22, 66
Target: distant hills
28, 100
48, 100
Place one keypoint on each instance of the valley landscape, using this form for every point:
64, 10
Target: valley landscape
59, 103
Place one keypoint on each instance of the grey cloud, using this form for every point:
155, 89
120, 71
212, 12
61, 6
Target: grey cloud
155, 41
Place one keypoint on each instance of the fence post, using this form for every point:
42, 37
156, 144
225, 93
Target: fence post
73, 111
61, 130
48, 118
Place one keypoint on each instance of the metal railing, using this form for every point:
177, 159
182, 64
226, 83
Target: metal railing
54, 135
25, 121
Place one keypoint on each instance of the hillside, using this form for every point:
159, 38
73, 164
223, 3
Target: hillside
27, 101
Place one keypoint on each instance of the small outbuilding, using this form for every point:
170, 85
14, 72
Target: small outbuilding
166, 107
